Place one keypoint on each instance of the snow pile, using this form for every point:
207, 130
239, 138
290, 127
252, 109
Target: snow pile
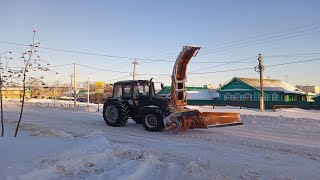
94, 157
57, 143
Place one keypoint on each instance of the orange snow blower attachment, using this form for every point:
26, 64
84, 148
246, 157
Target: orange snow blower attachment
183, 118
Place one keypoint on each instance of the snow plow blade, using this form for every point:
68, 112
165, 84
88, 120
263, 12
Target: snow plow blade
191, 119
220, 119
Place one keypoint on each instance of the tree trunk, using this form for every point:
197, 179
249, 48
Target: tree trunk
22, 103
2, 125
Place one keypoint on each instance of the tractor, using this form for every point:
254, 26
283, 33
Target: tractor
137, 99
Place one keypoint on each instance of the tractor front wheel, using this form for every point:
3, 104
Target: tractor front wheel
153, 120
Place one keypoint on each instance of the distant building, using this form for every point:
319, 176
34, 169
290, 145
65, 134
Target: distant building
309, 89
316, 98
248, 89
14, 92
193, 93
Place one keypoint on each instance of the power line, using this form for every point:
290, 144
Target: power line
118, 78
86, 53
291, 55
45, 66
248, 43
293, 62
245, 43
273, 65
218, 46
103, 69
237, 61
254, 42
230, 70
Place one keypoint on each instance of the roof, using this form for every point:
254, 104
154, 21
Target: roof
130, 81
318, 95
12, 88
271, 85
167, 89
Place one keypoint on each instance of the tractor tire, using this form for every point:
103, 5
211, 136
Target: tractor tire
152, 120
115, 113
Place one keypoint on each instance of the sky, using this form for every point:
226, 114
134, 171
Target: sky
100, 36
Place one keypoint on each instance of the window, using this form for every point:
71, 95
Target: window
228, 97
127, 90
247, 97
274, 97
141, 89
237, 97
117, 89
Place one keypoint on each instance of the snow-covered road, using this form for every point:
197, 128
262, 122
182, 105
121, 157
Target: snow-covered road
268, 146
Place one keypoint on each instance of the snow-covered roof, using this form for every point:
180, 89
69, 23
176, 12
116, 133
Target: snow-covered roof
318, 95
236, 89
202, 95
12, 88
272, 85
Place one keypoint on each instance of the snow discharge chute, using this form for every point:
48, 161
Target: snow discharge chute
183, 118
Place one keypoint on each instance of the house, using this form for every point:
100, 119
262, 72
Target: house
193, 93
309, 89
316, 98
14, 92
310, 96
248, 89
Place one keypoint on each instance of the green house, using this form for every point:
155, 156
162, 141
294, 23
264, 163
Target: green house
248, 89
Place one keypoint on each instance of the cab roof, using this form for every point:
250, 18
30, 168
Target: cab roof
131, 81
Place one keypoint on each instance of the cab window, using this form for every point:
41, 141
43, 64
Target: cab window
127, 90
117, 90
141, 89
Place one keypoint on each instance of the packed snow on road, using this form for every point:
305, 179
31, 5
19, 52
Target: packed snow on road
61, 142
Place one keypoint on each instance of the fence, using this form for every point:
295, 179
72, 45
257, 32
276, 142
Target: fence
256, 104
46, 104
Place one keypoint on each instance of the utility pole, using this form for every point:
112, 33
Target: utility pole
75, 84
70, 87
260, 69
135, 62
88, 91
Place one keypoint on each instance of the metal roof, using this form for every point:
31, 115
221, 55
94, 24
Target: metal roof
271, 85
167, 89
130, 81
318, 95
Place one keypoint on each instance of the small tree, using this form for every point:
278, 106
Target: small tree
30, 63
2, 68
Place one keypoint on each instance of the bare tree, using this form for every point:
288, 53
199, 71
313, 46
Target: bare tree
1, 84
29, 63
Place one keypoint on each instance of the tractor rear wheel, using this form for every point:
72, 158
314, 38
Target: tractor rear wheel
115, 113
153, 120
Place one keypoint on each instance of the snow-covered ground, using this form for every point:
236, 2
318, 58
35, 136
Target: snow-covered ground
70, 143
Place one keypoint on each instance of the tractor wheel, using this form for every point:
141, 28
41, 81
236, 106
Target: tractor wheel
115, 113
153, 120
